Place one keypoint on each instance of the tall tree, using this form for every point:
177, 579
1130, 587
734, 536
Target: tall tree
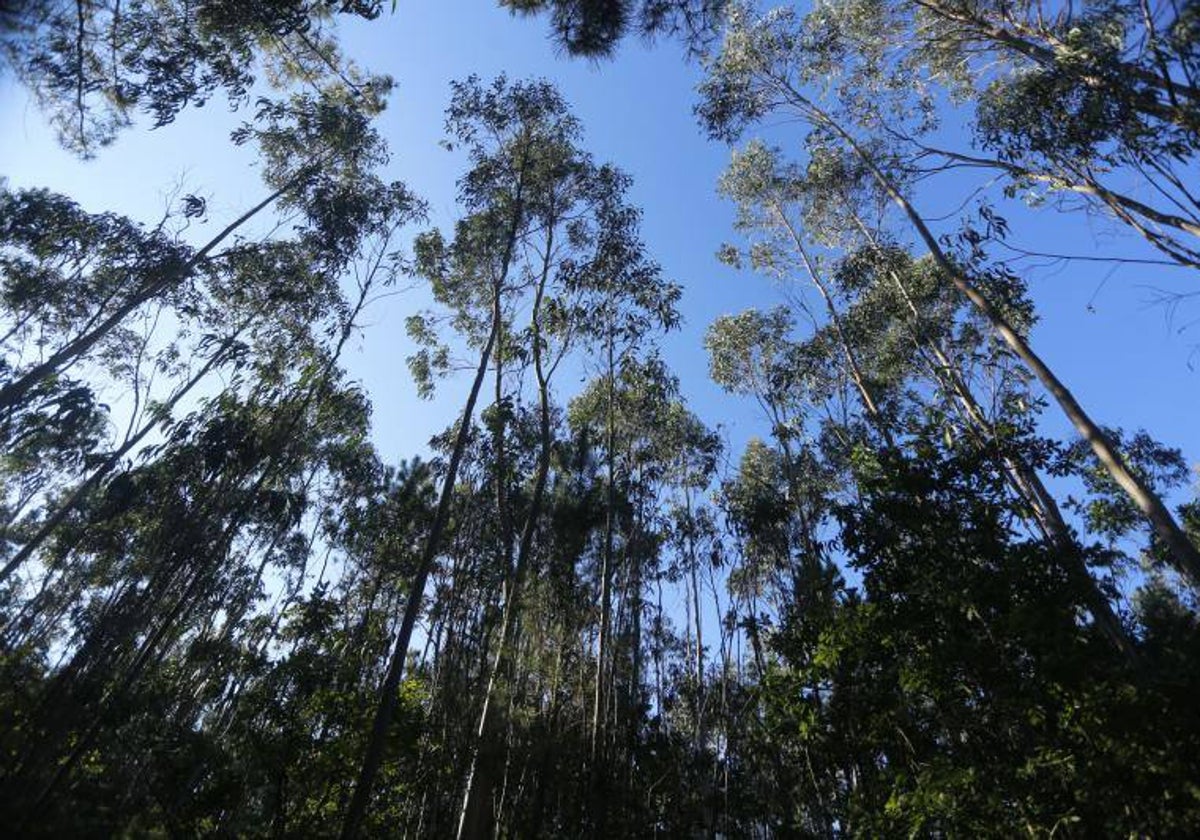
93, 65
513, 136
764, 66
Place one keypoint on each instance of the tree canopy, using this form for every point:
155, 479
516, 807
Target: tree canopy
934, 596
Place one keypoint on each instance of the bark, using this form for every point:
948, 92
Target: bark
13, 392
1184, 553
373, 755
474, 817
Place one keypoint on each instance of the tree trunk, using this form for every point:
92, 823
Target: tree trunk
597, 735
474, 816
373, 755
13, 392
1185, 555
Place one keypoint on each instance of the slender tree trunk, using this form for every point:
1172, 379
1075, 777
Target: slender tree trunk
545, 745
634, 692
181, 608
89, 654
473, 816
1021, 477
1185, 555
503, 512
693, 569
598, 770
14, 391
373, 755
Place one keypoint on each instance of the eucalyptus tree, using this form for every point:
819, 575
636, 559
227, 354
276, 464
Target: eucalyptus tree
779, 503
162, 709
283, 702
136, 540
208, 613
621, 332
848, 736
908, 321
691, 528
770, 212
884, 311
753, 354
915, 326
93, 66
518, 139
144, 570
318, 152
1090, 109
62, 268
630, 305
588, 259
768, 65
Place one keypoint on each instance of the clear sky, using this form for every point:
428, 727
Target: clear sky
1100, 332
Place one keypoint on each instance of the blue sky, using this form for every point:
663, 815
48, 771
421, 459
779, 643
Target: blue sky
1126, 364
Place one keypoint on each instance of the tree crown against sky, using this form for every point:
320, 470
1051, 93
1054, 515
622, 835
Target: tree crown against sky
896, 568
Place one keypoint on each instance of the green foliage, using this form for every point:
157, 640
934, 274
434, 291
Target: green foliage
594, 28
94, 65
876, 619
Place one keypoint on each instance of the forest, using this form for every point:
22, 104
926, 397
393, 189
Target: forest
934, 595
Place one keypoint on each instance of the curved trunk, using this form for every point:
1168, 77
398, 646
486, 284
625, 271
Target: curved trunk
13, 392
1184, 554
